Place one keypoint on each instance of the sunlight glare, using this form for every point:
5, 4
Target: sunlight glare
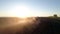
21, 11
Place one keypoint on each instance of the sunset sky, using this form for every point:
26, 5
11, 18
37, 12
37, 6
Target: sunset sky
24, 8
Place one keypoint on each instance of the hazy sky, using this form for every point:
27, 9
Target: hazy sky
29, 7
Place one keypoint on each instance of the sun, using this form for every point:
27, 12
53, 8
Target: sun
21, 11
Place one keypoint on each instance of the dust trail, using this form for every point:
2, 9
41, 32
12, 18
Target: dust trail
20, 26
